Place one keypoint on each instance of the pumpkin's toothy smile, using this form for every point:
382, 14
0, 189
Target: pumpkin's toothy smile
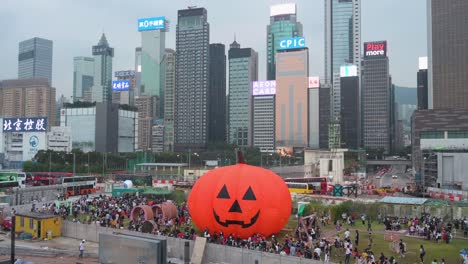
236, 222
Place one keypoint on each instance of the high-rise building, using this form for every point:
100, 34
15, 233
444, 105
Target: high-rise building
243, 70
292, 118
35, 59
283, 24
324, 114
102, 87
27, 98
350, 112
83, 78
263, 114
157, 136
169, 100
342, 43
125, 97
314, 112
422, 84
217, 94
137, 71
153, 66
448, 54
145, 106
192, 69
376, 96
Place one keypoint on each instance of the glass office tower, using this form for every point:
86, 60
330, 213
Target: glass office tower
35, 59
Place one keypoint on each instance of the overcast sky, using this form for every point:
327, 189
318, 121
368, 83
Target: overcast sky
75, 25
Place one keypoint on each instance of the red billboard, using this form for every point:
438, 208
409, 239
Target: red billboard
375, 49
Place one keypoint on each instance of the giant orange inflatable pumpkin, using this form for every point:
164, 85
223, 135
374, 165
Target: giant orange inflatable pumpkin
242, 200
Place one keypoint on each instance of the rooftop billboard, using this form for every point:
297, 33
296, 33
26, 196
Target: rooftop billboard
151, 23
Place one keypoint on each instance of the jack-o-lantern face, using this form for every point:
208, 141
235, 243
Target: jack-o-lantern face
241, 200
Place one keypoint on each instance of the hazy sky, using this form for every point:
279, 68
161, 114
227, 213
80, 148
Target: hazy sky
75, 25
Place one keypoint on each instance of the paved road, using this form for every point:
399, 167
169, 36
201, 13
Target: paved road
403, 178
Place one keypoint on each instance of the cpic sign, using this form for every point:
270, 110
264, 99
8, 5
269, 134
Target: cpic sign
261, 88
151, 23
291, 43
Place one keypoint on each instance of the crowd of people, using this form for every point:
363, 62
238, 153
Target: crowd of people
306, 242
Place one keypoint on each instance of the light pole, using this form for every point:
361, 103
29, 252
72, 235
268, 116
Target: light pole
74, 161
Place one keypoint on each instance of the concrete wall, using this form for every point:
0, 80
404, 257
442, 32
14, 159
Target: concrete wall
175, 246
35, 194
446, 212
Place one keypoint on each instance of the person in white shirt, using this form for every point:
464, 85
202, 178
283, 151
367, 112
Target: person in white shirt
81, 248
318, 252
347, 233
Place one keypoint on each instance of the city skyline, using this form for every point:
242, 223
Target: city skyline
407, 43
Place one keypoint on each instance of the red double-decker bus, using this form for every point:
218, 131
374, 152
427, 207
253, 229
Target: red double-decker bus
319, 184
48, 178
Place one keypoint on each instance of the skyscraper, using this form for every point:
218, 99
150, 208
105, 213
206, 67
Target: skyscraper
448, 54
169, 100
350, 112
376, 96
263, 93
283, 24
292, 71
217, 94
137, 71
342, 43
422, 84
324, 114
103, 54
192, 69
243, 70
83, 78
153, 66
28, 98
35, 59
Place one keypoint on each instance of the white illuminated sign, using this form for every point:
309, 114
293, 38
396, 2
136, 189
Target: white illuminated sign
348, 71
314, 82
283, 9
423, 63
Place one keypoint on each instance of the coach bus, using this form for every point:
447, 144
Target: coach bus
300, 187
319, 185
8, 179
79, 185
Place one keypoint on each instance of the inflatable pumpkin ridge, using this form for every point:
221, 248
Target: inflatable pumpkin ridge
240, 157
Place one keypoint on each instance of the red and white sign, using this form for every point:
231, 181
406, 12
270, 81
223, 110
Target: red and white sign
314, 82
375, 49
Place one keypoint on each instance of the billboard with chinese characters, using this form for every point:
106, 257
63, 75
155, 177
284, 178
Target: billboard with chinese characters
291, 43
25, 124
261, 88
314, 82
375, 49
124, 74
348, 71
32, 143
120, 85
151, 23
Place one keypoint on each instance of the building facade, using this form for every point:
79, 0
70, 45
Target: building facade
192, 70
350, 112
436, 131
292, 118
283, 24
243, 70
125, 97
102, 127
169, 97
83, 78
145, 106
342, 44
35, 59
376, 96
263, 114
448, 54
60, 139
27, 98
217, 94
102, 87
324, 114
157, 136
314, 117
137, 71
153, 67
423, 91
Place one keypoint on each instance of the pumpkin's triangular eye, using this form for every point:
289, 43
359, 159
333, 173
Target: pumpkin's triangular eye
249, 195
223, 194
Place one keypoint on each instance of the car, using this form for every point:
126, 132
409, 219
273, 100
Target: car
378, 177
394, 176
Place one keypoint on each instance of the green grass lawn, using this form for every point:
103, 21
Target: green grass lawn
433, 250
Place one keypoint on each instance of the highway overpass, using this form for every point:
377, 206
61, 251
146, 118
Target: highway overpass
389, 162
